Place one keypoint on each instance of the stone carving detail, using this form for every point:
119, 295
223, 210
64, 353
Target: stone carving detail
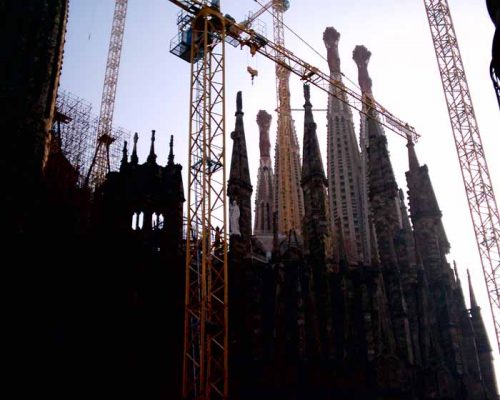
234, 218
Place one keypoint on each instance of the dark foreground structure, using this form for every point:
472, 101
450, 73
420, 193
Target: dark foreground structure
308, 322
95, 281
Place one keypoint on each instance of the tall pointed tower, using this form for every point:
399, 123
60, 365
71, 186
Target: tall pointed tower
315, 226
361, 57
239, 188
314, 185
344, 165
385, 211
288, 197
264, 204
483, 345
432, 246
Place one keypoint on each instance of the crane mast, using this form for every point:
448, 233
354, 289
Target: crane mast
475, 174
101, 164
201, 43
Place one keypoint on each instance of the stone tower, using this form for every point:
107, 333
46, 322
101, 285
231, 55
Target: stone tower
386, 213
264, 203
239, 187
138, 256
316, 229
361, 57
288, 197
347, 204
146, 198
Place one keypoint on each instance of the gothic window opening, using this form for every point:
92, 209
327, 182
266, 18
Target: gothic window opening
134, 221
140, 221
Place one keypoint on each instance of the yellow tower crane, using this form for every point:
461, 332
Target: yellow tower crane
203, 32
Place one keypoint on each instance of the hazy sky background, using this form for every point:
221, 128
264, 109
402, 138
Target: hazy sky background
153, 88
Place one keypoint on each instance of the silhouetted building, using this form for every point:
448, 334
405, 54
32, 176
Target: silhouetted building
98, 285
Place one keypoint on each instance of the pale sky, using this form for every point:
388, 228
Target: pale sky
153, 88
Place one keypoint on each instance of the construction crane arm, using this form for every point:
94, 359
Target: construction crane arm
313, 75
240, 33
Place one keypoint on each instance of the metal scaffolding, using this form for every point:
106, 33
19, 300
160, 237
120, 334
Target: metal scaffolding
75, 129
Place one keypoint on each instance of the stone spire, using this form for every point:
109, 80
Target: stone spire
432, 247
472, 296
171, 151
412, 156
469, 348
312, 165
313, 180
331, 39
134, 160
152, 155
344, 169
239, 187
315, 226
288, 198
386, 215
361, 57
124, 161
483, 344
264, 204
426, 216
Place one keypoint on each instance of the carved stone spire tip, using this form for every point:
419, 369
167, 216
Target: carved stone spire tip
152, 155
412, 155
133, 158
361, 54
331, 36
264, 123
331, 39
361, 57
124, 154
239, 103
171, 152
307, 93
264, 119
473, 302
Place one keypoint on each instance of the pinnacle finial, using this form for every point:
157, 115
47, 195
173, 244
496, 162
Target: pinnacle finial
152, 155
473, 302
264, 123
401, 195
124, 155
239, 103
171, 153
133, 158
264, 119
412, 155
307, 95
361, 57
331, 40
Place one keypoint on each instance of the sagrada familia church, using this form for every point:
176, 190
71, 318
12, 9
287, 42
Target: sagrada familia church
337, 289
